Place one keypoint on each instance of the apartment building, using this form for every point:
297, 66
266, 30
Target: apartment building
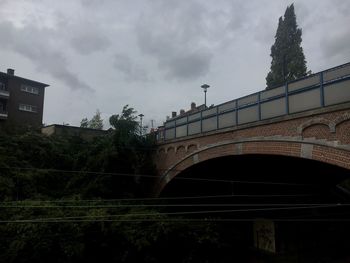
21, 100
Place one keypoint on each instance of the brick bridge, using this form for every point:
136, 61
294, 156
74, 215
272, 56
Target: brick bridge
307, 118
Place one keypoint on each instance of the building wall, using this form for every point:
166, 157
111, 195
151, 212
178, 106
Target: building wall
16, 116
63, 130
17, 97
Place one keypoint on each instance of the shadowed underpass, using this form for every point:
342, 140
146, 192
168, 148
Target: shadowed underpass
306, 200
258, 174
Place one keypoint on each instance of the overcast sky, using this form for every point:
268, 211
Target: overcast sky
155, 54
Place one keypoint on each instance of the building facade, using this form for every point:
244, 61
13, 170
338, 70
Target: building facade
21, 100
64, 130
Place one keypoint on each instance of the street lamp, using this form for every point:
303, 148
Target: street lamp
141, 116
205, 87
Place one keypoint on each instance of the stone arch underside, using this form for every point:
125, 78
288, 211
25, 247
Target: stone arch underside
327, 152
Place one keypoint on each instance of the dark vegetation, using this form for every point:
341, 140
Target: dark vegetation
64, 199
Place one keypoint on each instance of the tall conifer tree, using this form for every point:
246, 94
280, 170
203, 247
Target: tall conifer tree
288, 60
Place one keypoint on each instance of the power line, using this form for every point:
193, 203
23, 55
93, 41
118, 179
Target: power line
154, 176
171, 205
170, 213
207, 220
161, 198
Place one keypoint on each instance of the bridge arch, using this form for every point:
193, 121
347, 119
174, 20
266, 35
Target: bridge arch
342, 118
313, 149
316, 121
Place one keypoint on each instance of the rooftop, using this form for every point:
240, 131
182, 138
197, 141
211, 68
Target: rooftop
11, 74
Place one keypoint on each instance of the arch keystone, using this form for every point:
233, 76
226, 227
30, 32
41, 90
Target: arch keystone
195, 158
306, 150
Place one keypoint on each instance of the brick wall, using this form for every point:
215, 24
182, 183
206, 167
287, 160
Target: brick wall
323, 137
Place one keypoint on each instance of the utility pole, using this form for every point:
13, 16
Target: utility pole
141, 116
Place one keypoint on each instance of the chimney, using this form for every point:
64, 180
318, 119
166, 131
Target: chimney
10, 71
182, 111
193, 106
173, 114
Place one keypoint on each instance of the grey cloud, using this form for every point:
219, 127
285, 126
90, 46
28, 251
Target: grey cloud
175, 36
336, 45
184, 36
239, 14
94, 3
82, 33
33, 44
263, 32
87, 38
188, 66
87, 44
3, 2
130, 70
336, 37
342, 6
63, 74
175, 58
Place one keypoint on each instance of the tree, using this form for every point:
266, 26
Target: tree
95, 123
288, 60
84, 123
103, 171
126, 122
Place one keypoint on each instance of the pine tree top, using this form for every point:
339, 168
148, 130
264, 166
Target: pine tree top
288, 60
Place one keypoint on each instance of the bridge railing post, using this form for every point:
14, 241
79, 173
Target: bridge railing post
321, 89
187, 124
287, 98
217, 117
259, 105
201, 121
236, 102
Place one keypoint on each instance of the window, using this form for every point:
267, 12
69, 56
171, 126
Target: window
30, 108
30, 89
2, 86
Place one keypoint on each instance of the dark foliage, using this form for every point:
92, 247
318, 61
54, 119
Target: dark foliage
36, 171
288, 60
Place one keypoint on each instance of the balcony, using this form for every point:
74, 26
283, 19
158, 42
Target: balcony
3, 92
3, 115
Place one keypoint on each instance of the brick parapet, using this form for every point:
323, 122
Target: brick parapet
324, 137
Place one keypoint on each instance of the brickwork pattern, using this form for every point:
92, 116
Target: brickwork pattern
343, 132
319, 131
328, 137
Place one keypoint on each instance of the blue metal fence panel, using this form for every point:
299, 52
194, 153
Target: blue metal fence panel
258, 106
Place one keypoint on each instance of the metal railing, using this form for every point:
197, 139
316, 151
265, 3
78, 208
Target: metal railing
3, 91
3, 114
318, 90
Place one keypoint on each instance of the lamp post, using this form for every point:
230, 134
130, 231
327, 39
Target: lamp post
205, 87
141, 116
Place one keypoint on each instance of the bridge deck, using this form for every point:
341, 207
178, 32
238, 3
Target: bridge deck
317, 91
